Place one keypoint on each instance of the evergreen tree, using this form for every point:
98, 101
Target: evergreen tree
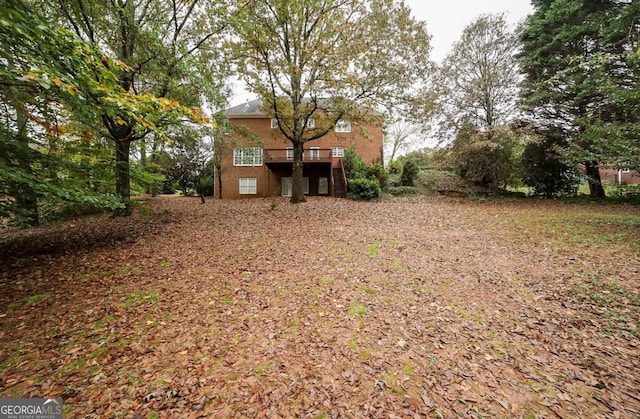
582, 64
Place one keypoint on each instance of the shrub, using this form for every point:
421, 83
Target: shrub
206, 185
546, 173
363, 189
409, 172
395, 167
377, 171
403, 190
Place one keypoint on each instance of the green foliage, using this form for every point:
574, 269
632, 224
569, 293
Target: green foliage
395, 167
362, 189
403, 190
365, 181
545, 171
582, 66
410, 170
490, 158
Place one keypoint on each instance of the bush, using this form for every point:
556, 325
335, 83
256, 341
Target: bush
546, 173
403, 190
363, 189
377, 171
206, 185
409, 172
395, 167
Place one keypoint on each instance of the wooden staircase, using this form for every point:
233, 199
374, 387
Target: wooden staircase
339, 183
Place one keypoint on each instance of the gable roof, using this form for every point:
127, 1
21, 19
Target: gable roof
253, 109
249, 109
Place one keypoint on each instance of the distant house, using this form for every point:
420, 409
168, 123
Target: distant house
620, 176
263, 169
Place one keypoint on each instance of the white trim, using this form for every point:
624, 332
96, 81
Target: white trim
248, 185
314, 153
337, 151
343, 126
247, 156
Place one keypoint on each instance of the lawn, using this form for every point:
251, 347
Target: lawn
332, 308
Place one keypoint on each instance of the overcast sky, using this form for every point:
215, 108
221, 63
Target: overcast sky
446, 19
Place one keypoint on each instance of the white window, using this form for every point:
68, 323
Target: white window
627, 170
315, 153
311, 123
274, 123
337, 151
247, 156
289, 153
248, 185
287, 185
323, 185
343, 126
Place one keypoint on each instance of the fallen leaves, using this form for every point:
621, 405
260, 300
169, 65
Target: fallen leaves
331, 308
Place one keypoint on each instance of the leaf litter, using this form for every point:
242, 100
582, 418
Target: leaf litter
332, 308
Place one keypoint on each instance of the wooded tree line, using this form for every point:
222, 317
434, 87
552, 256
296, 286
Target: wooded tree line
546, 102
97, 92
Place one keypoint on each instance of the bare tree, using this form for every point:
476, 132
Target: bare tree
479, 79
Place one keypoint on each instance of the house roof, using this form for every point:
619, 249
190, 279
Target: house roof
249, 109
253, 109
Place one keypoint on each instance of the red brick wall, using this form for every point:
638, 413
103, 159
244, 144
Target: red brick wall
611, 175
367, 145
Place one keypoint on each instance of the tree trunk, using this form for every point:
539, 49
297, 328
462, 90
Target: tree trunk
218, 175
123, 179
24, 195
297, 187
595, 184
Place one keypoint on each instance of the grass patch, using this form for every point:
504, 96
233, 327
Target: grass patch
357, 309
140, 297
28, 301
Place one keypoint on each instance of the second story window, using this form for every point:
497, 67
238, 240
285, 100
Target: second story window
343, 126
247, 156
311, 123
337, 152
274, 123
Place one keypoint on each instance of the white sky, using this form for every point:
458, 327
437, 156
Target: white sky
446, 19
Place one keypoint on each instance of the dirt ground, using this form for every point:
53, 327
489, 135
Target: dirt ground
328, 309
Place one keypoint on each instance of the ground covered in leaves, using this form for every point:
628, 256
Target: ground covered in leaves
332, 308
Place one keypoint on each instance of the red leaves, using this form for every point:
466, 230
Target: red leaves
329, 308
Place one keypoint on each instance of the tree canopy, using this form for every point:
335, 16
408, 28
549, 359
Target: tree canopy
329, 60
582, 66
478, 81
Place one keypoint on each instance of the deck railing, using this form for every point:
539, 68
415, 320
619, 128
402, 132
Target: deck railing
282, 155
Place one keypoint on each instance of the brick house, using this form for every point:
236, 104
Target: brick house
624, 176
263, 169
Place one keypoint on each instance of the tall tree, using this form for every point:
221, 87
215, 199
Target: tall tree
582, 66
48, 78
400, 134
478, 80
170, 52
329, 60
